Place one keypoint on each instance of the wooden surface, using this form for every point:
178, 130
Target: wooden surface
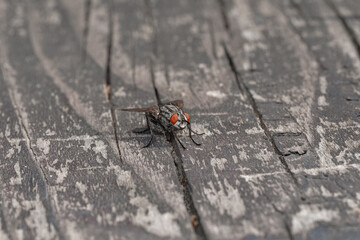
274, 85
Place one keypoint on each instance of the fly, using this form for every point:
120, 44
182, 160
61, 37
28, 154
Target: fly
169, 116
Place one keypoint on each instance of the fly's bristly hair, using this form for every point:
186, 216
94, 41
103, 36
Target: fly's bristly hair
169, 116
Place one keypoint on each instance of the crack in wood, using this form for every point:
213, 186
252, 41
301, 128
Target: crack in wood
293, 153
348, 29
189, 203
42, 181
246, 90
109, 52
108, 89
175, 153
287, 134
180, 171
233, 69
224, 16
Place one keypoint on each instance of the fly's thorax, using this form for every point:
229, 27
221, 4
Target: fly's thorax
172, 117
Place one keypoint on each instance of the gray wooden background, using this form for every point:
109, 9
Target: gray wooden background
273, 84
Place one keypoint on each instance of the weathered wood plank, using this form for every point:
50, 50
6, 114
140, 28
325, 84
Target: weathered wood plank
27, 208
129, 86
84, 188
228, 173
274, 85
22, 188
299, 69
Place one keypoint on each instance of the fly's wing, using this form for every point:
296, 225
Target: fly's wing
178, 103
153, 110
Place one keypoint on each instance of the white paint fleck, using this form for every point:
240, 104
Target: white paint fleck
309, 215
120, 92
234, 157
351, 203
149, 217
309, 171
73, 231
243, 155
7, 131
43, 144
325, 192
215, 94
100, 147
341, 157
323, 150
245, 228
227, 199
254, 130
17, 179
62, 174
322, 101
10, 153
264, 155
219, 162
83, 188
251, 35
257, 96
232, 132
124, 179
323, 84
286, 99
331, 169
50, 133
52, 16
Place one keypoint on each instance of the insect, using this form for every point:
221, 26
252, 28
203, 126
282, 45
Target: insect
169, 116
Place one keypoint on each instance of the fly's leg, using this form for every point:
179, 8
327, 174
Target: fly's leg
189, 127
151, 132
179, 141
167, 133
196, 132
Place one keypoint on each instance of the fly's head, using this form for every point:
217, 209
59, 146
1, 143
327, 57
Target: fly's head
172, 117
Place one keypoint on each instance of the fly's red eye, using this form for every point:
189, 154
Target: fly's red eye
187, 117
174, 118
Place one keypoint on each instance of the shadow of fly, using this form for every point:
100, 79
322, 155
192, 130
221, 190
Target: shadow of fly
169, 116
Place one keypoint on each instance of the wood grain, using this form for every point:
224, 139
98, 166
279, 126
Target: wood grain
273, 85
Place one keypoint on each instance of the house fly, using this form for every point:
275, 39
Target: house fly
169, 116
